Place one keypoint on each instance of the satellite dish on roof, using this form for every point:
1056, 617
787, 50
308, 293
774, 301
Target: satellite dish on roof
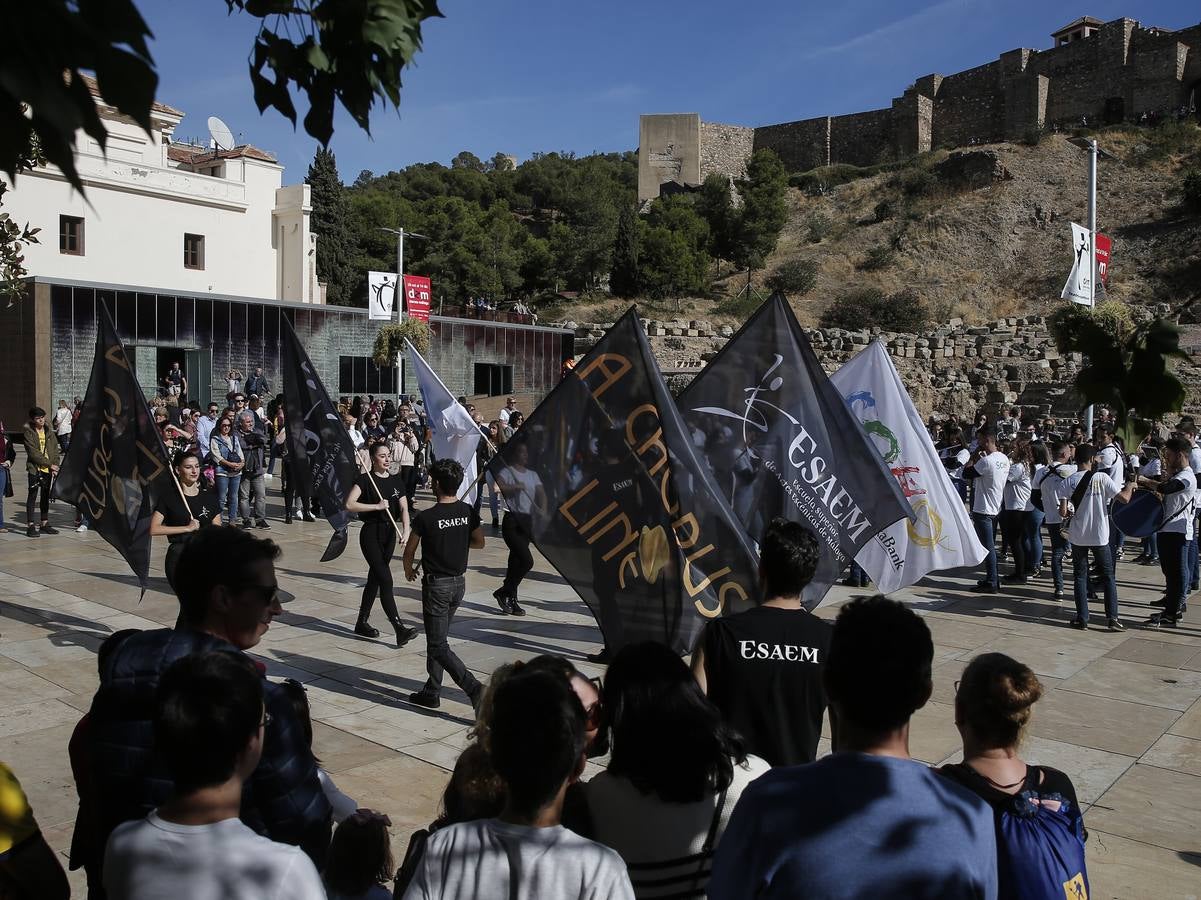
223, 138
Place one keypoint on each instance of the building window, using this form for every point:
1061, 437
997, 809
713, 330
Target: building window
193, 251
70, 235
493, 380
360, 375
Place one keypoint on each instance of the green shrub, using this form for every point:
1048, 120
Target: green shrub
795, 277
818, 227
879, 257
866, 308
1167, 140
1190, 190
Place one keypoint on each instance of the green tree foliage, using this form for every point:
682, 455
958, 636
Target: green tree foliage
764, 209
496, 231
795, 277
673, 256
623, 278
331, 224
870, 308
716, 207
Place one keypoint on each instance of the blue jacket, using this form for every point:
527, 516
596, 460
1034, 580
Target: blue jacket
283, 798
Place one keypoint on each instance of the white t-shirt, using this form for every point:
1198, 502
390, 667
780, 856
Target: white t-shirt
1050, 485
1194, 459
1090, 523
522, 500
662, 842
1178, 506
503, 415
493, 860
343, 805
1111, 463
993, 469
1017, 487
151, 859
62, 421
1152, 469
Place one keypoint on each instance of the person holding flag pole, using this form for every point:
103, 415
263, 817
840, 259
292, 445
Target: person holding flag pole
377, 539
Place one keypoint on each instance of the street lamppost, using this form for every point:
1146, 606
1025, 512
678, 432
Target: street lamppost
400, 281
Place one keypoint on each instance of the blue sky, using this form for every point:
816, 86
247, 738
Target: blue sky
541, 75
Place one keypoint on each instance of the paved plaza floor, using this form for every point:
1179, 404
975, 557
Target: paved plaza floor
1122, 713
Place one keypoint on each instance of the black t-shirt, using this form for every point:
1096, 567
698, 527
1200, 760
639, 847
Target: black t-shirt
1042, 780
445, 532
391, 488
764, 672
203, 506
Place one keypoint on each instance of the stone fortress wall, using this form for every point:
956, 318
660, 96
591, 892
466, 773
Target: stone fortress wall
952, 368
1116, 74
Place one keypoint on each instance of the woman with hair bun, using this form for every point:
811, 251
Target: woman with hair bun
993, 703
203, 508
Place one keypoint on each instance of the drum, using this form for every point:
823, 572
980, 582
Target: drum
1141, 517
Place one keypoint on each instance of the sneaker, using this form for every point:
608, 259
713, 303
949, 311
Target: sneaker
1079, 624
1115, 625
32, 531
1161, 620
48, 529
985, 588
81, 529
261, 523
1148, 561
1015, 579
502, 601
515, 608
1140, 559
363, 629
245, 523
1058, 595
425, 698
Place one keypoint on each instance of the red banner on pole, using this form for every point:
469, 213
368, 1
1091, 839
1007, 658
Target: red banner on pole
1103, 247
417, 296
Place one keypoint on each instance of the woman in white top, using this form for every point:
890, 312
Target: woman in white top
675, 773
1014, 501
1032, 515
62, 425
1178, 489
522, 489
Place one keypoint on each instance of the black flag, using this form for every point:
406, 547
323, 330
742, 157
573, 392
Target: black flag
319, 449
116, 468
781, 442
621, 505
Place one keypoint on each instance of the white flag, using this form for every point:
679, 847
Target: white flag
455, 434
381, 296
1077, 288
942, 536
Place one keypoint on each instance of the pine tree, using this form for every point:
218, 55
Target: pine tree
764, 209
331, 223
623, 278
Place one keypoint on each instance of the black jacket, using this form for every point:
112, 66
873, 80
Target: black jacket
283, 798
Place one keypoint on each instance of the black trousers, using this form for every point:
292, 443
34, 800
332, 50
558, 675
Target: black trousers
38, 484
378, 543
1013, 530
516, 529
408, 477
286, 484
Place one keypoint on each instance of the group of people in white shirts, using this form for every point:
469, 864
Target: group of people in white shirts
1071, 489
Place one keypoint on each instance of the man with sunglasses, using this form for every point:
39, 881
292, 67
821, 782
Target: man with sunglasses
228, 595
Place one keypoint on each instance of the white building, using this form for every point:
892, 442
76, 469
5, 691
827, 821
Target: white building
173, 216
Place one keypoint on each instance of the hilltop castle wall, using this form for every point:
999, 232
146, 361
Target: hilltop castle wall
1118, 73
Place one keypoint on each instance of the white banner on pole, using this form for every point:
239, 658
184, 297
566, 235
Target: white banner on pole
455, 434
381, 296
941, 535
1079, 286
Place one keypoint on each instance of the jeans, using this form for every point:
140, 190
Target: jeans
1116, 540
1104, 564
1151, 545
253, 489
493, 499
857, 576
985, 531
39, 483
64, 441
227, 493
1193, 560
1174, 562
440, 599
1032, 523
3, 488
1059, 546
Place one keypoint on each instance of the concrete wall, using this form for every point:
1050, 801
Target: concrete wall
669, 149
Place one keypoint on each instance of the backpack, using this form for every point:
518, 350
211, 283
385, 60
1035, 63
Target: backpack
1040, 847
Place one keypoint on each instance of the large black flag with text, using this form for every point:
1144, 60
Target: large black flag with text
320, 452
116, 469
780, 441
619, 502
